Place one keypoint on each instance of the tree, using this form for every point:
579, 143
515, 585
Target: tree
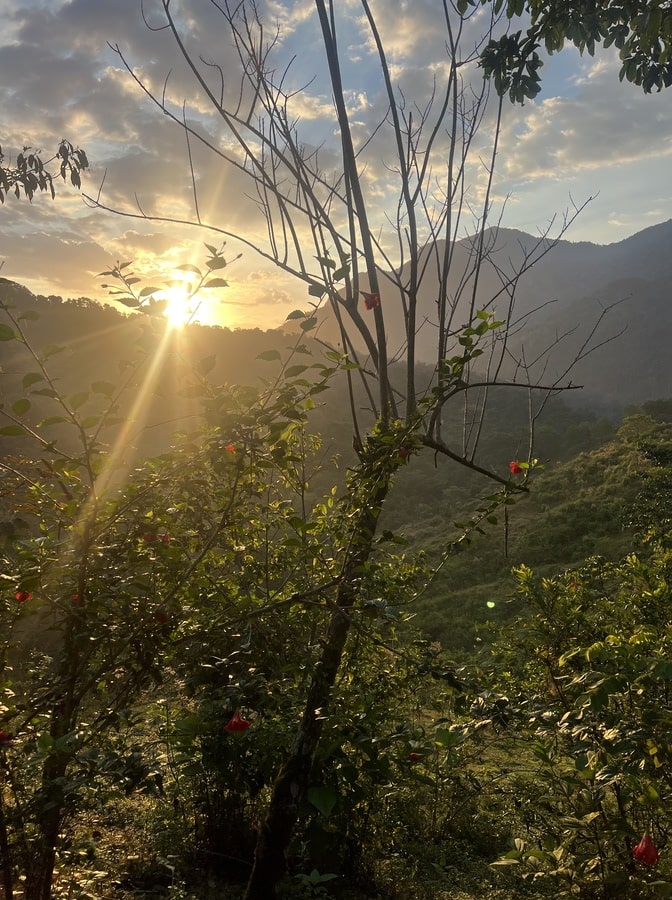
640, 29
363, 264
31, 172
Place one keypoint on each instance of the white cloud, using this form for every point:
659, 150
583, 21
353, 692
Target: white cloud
605, 125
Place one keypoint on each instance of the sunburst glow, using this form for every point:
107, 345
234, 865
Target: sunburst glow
180, 308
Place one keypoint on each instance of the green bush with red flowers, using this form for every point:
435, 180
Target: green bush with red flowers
586, 693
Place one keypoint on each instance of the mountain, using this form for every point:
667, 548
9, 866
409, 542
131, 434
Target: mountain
620, 291
624, 286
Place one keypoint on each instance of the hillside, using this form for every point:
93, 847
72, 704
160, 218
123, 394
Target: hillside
561, 298
178, 774
589, 505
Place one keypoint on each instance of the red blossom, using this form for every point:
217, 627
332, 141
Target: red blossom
371, 301
78, 600
23, 596
230, 448
646, 851
514, 467
165, 537
236, 723
403, 452
414, 757
6, 739
161, 616
150, 537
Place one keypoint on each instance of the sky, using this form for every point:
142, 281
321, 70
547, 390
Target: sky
586, 135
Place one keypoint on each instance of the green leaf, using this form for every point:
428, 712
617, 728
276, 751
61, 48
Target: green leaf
296, 314
216, 283
51, 420
7, 333
269, 355
292, 371
51, 350
309, 324
21, 407
31, 378
187, 267
12, 431
444, 737
324, 799
79, 399
30, 315
218, 262
317, 290
146, 291
103, 387
46, 392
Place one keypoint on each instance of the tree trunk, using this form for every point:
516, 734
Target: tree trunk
6, 879
293, 780
39, 877
50, 802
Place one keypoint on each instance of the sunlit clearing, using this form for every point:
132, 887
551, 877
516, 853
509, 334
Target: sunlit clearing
180, 309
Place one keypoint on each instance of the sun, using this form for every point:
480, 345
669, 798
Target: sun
181, 309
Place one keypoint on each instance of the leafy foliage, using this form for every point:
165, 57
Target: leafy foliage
31, 174
586, 681
641, 30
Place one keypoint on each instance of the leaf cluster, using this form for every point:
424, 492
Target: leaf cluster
641, 30
31, 174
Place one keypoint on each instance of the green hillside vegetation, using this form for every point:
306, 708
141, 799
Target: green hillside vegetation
578, 508
160, 624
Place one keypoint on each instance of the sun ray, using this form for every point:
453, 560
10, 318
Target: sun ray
114, 469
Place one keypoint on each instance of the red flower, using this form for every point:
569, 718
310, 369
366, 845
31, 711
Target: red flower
23, 596
78, 600
165, 537
403, 453
413, 756
236, 723
646, 851
371, 301
6, 739
161, 616
230, 448
515, 467
150, 537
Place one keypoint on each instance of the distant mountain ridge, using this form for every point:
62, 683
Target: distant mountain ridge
569, 287
632, 280
564, 294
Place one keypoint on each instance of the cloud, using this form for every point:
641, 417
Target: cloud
60, 78
604, 125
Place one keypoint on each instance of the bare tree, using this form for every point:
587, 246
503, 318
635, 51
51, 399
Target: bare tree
366, 263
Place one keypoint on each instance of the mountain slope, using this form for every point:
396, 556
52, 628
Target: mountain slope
567, 290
